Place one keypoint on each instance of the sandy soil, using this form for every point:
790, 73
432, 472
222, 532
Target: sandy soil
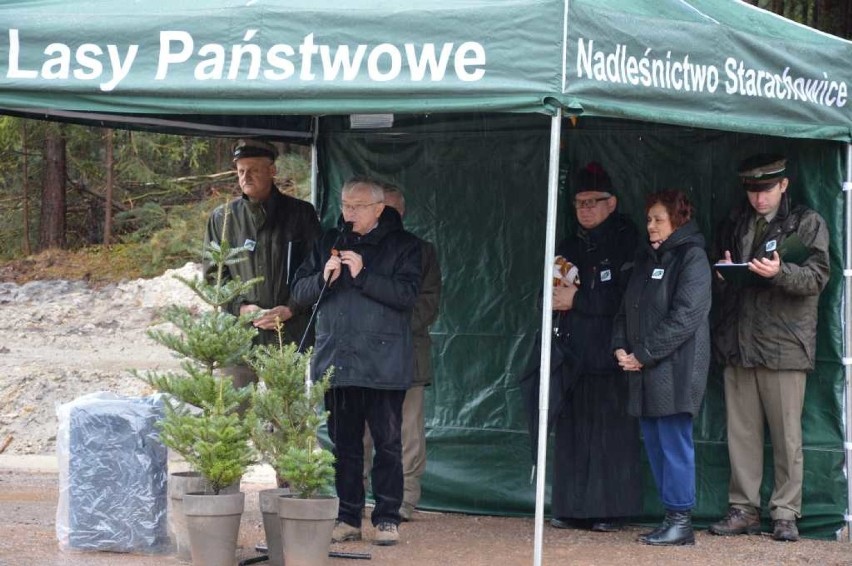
60, 340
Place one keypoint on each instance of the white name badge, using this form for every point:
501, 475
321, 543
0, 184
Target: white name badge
250, 244
658, 273
606, 275
771, 245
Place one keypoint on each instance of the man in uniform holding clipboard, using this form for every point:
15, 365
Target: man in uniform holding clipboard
765, 336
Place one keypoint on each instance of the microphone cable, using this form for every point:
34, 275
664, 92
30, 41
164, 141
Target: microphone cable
344, 233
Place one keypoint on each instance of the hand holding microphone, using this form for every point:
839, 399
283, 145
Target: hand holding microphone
331, 271
353, 261
332, 268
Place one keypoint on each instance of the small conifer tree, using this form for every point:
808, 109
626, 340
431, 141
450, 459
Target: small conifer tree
289, 416
205, 424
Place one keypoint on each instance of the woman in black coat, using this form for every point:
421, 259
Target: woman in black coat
661, 336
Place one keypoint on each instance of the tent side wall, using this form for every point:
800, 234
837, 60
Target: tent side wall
475, 186
470, 184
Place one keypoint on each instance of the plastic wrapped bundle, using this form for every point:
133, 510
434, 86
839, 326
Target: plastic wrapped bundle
112, 475
565, 272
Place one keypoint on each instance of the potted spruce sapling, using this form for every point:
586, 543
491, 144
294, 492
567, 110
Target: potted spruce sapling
289, 414
217, 445
202, 422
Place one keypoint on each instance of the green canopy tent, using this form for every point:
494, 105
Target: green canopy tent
730, 66
666, 91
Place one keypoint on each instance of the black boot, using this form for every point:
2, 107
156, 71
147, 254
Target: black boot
656, 532
678, 532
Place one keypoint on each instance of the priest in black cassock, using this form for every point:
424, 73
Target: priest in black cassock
597, 479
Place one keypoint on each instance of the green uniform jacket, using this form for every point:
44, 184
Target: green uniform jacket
281, 233
773, 323
425, 313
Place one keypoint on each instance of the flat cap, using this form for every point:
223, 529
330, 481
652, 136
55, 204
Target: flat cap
761, 172
254, 148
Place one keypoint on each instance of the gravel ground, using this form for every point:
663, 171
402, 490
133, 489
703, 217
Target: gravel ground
28, 506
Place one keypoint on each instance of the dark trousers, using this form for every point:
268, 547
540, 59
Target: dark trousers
671, 454
349, 408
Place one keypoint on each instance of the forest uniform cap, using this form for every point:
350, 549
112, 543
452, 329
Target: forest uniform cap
254, 148
762, 172
593, 177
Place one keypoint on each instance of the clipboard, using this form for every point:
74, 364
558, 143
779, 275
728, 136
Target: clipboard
791, 250
738, 274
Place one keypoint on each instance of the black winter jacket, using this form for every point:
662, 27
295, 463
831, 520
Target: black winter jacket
363, 325
664, 322
604, 257
280, 234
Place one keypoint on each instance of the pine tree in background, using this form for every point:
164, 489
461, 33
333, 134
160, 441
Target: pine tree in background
204, 424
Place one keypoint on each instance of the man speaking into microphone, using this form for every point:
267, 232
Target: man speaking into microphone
363, 330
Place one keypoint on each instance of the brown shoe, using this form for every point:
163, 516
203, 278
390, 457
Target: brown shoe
387, 534
785, 530
344, 531
737, 522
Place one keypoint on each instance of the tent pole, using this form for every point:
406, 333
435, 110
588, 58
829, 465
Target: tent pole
546, 330
847, 334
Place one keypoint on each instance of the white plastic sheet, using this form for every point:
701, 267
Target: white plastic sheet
112, 475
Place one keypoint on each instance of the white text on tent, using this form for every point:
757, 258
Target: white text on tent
384, 62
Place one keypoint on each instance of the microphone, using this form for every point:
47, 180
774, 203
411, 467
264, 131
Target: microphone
342, 236
340, 242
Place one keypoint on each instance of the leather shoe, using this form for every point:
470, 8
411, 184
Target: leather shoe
785, 530
387, 534
344, 531
606, 526
737, 522
565, 523
677, 530
654, 533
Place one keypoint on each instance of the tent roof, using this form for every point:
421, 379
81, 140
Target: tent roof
720, 64
616, 58
298, 57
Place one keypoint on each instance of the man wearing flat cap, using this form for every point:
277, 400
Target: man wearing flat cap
278, 231
765, 336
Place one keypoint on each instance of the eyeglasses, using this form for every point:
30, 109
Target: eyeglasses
589, 202
357, 207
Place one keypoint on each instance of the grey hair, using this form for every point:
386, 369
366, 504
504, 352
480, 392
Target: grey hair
391, 189
376, 190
